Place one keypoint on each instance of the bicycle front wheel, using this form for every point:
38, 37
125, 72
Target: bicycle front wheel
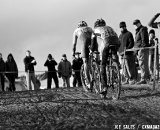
96, 84
114, 81
84, 79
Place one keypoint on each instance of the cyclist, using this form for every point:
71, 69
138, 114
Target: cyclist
84, 34
107, 37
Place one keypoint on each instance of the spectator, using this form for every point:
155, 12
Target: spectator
142, 41
29, 63
152, 41
65, 70
51, 63
76, 68
12, 72
127, 42
152, 22
2, 70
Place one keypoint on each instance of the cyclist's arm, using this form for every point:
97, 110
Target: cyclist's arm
75, 37
94, 44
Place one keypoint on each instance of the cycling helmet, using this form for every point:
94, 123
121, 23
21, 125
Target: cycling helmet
82, 24
99, 23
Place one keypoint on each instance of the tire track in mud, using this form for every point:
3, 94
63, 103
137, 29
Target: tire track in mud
75, 109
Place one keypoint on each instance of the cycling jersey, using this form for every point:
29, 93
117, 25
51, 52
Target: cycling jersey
84, 34
108, 37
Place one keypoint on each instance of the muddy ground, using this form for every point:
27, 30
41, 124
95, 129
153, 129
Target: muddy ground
74, 109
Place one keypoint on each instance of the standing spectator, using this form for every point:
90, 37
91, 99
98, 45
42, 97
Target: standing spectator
152, 22
76, 67
29, 63
2, 70
127, 42
142, 41
65, 70
51, 63
152, 41
12, 72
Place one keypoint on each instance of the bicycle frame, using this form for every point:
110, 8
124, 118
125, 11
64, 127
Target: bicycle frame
113, 75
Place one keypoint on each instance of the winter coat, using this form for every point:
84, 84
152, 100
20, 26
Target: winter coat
64, 68
28, 65
11, 66
2, 65
126, 40
141, 37
51, 65
76, 64
151, 44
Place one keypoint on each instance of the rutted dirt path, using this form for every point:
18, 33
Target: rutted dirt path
74, 109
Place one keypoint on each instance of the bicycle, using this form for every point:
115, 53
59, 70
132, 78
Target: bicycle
112, 72
113, 76
94, 73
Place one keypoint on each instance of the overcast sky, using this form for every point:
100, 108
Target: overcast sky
46, 26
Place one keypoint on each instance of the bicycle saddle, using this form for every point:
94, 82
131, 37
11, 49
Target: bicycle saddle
112, 46
96, 52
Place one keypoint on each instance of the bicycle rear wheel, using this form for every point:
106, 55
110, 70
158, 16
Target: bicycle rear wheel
84, 79
114, 81
96, 84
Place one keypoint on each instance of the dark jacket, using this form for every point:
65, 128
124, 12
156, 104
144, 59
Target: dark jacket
76, 64
11, 66
51, 65
2, 65
152, 22
141, 37
126, 40
28, 65
151, 44
64, 68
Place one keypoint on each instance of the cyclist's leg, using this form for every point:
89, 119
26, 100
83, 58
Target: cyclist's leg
86, 68
103, 75
104, 58
85, 57
115, 57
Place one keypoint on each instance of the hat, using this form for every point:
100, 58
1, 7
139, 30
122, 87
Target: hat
122, 24
64, 55
49, 56
152, 31
136, 21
